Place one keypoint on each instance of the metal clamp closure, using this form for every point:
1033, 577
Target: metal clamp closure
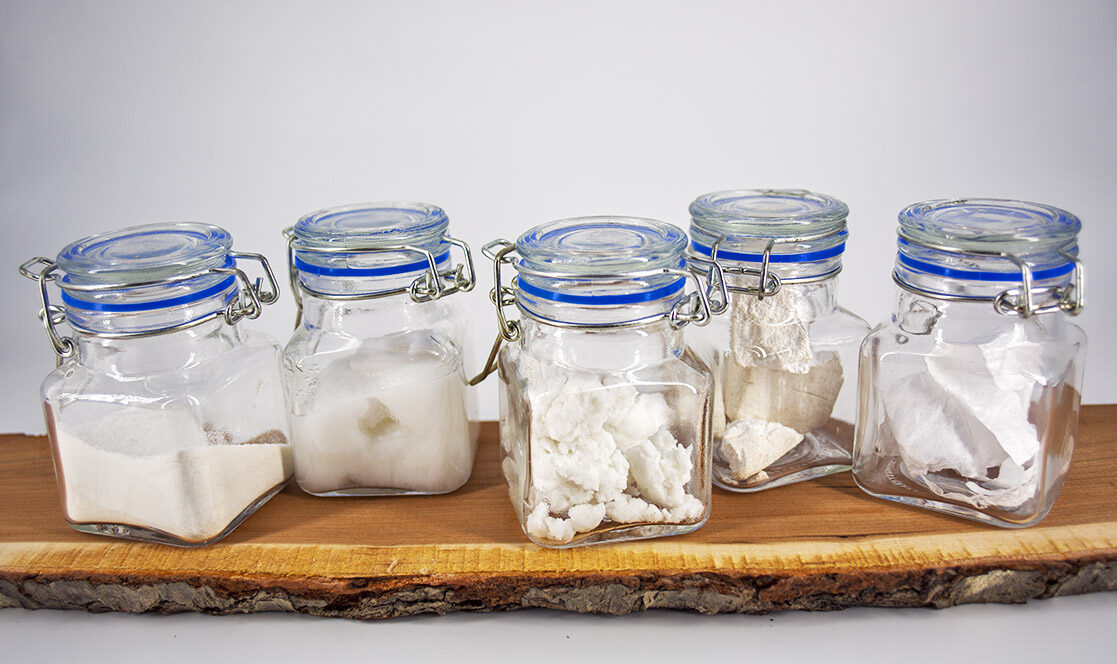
1020, 301
249, 303
431, 285
697, 307
768, 283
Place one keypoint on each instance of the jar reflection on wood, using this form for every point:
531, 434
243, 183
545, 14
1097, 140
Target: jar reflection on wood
605, 410
785, 353
970, 394
374, 369
166, 420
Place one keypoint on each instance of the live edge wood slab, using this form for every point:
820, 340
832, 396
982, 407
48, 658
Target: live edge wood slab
817, 545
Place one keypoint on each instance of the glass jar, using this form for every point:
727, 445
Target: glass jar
784, 352
970, 394
604, 409
374, 370
166, 420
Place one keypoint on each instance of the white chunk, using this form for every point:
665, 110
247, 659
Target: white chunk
750, 446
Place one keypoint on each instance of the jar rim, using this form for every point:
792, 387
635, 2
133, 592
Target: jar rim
989, 225
384, 224
603, 244
767, 213
141, 254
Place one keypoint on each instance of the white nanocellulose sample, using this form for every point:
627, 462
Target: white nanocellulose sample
969, 415
774, 383
382, 420
750, 446
600, 449
158, 469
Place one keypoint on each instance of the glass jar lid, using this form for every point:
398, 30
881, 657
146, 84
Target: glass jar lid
975, 248
990, 225
140, 268
147, 253
377, 234
793, 235
601, 261
767, 213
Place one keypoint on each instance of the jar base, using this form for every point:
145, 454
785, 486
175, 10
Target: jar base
791, 478
623, 532
956, 510
144, 534
824, 451
372, 492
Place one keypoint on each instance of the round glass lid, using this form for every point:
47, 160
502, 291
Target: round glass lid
769, 213
145, 253
601, 245
987, 224
373, 225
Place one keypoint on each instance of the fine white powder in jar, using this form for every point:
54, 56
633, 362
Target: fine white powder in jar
390, 421
162, 469
776, 387
600, 452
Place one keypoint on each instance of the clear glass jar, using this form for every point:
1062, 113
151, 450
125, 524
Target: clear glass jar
374, 370
604, 409
970, 394
166, 420
785, 353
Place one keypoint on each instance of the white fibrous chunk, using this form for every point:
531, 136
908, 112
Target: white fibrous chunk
774, 384
385, 421
750, 446
162, 469
968, 416
775, 329
601, 449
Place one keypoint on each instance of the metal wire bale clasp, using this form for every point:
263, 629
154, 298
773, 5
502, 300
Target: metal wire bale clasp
51, 315
1021, 301
251, 298
768, 283
429, 286
694, 308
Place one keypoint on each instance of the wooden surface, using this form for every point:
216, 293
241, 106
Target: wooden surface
816, 545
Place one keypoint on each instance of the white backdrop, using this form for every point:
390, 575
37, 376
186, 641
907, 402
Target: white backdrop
508, 114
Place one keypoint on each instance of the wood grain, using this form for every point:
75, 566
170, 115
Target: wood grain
815, 545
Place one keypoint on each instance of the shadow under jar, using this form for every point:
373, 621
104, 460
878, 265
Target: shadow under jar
166, 420
605, 410
376, 386
785, 353
970, 394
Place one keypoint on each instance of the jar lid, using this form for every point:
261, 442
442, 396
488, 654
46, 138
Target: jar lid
601, 260
990, 225
372, 225
991, 249
147, 253
377, 233
142, 268
767, 213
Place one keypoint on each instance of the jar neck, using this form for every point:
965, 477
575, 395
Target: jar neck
603, 349
144, 356
821, 297
373, 317
919, 314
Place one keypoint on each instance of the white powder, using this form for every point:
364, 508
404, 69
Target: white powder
393, 421
159, 469
776, 387
968, 416
600, 450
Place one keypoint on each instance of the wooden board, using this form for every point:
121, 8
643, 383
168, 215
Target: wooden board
815, 545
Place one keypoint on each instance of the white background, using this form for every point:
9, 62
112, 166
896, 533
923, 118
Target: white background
508, 114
